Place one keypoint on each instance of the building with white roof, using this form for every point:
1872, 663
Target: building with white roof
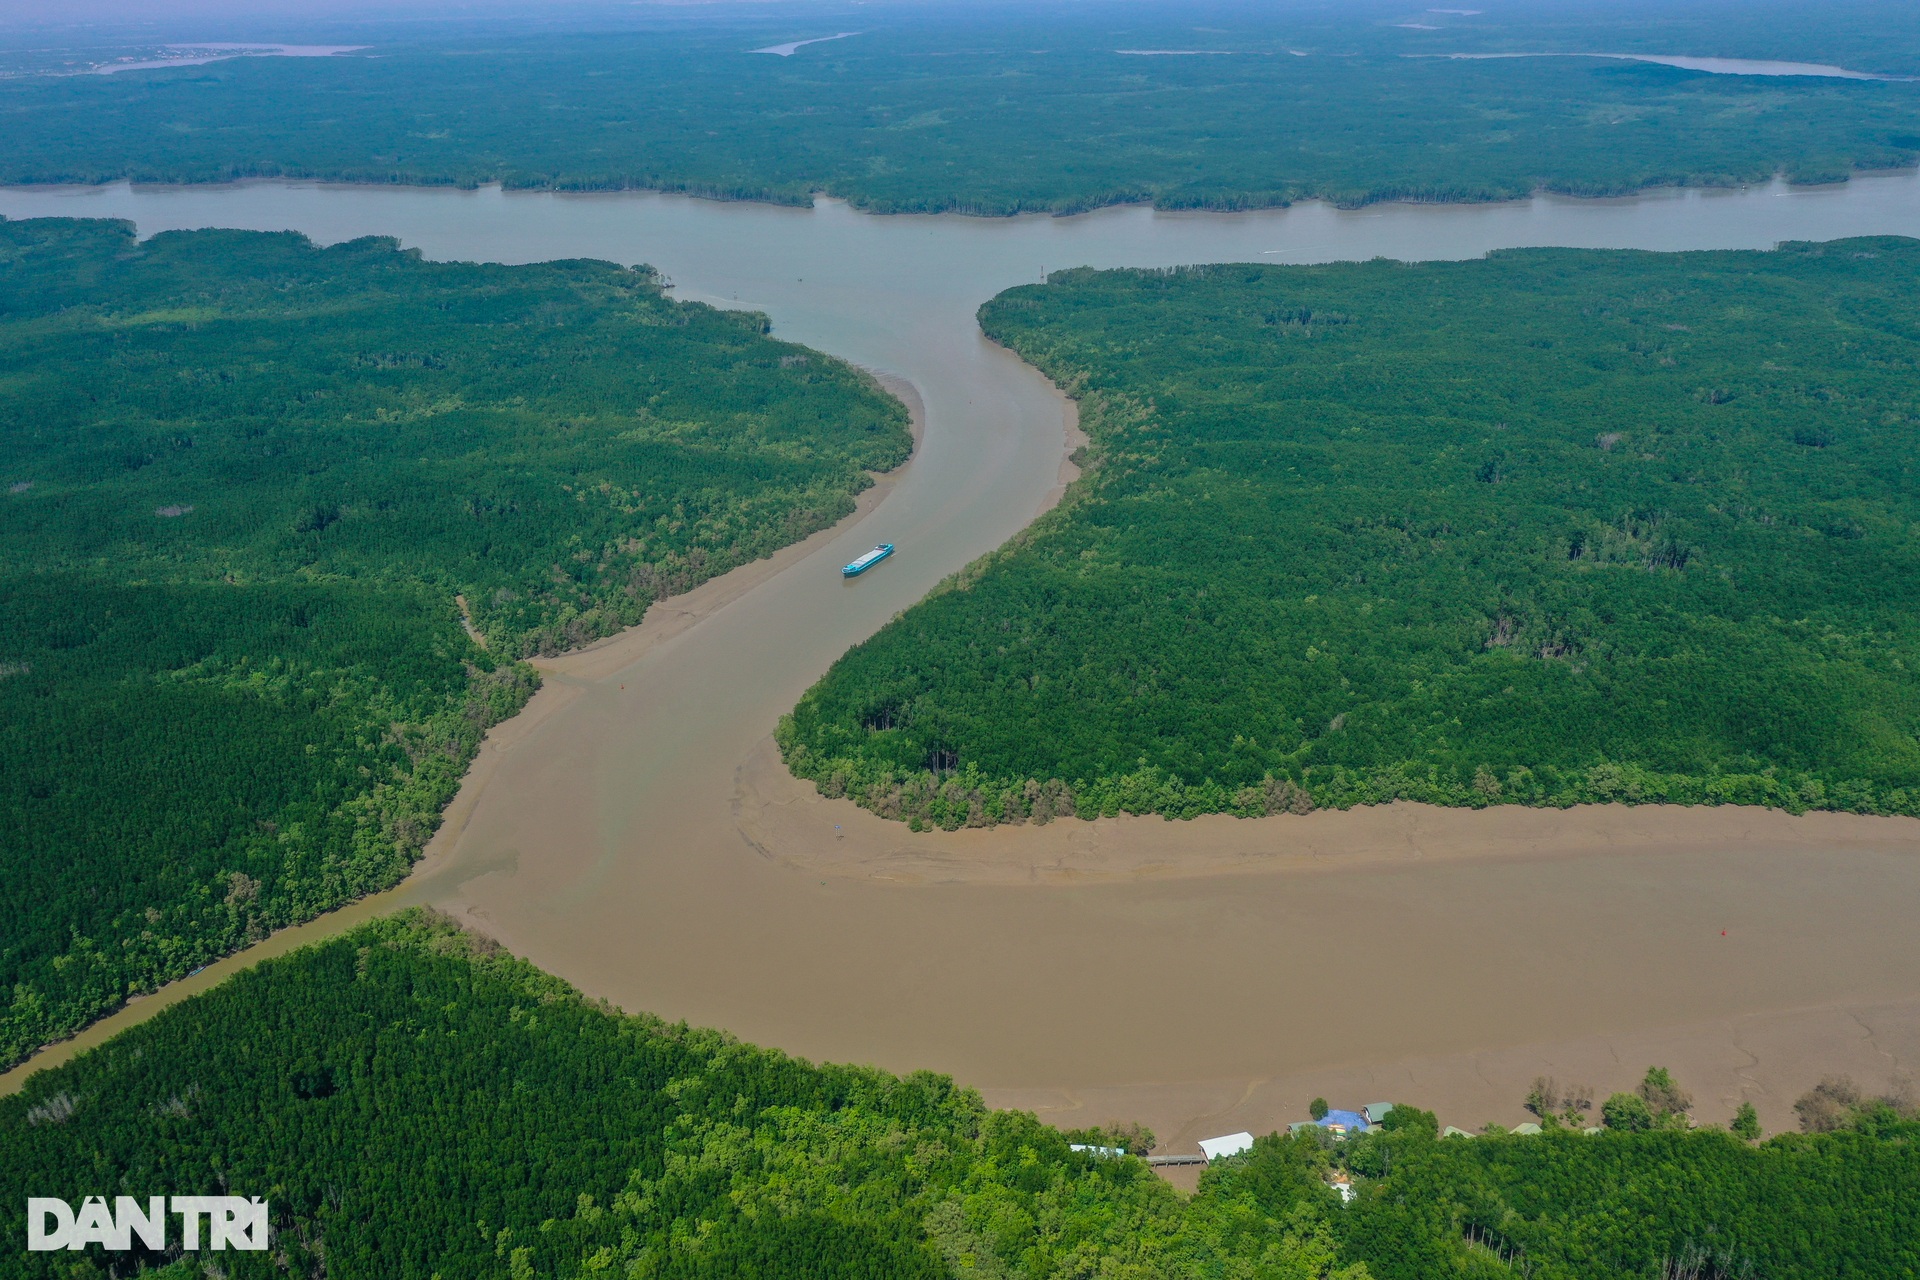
1230, 1145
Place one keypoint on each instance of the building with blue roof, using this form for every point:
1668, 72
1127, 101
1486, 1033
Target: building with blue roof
1338, 1123
1350, 1121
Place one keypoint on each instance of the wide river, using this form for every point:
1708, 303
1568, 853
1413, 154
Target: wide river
603, 838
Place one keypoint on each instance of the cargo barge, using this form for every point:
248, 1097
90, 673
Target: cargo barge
867, 561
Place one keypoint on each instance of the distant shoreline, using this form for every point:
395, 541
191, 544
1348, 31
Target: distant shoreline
694, 191
200, 55
1712, 66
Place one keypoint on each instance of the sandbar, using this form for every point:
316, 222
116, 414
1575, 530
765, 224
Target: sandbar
788, 819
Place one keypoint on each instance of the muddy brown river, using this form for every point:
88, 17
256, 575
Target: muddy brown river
631, 834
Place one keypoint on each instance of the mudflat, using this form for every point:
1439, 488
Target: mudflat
787, 819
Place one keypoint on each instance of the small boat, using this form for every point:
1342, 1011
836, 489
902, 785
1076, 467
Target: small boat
867, 561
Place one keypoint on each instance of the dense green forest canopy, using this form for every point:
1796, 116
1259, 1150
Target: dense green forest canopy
245, 480
1550, 527
560, 442
1003, 110
414, 1103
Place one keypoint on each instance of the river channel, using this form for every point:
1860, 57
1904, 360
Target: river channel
602, 838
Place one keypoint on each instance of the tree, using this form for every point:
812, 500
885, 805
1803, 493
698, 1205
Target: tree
1828, 1106
1130, 1136
1746, 1122
1406, 1119
1627, 1112
1667, 1101
1317, 1108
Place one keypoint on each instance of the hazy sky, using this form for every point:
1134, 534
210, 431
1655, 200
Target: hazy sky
54, 13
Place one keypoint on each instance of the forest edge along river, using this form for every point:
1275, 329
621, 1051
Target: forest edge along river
632, 833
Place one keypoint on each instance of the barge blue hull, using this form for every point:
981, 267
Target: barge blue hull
867, 561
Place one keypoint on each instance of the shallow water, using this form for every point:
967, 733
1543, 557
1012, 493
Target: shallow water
1715, 66
603, 846
788, 49
192, 55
